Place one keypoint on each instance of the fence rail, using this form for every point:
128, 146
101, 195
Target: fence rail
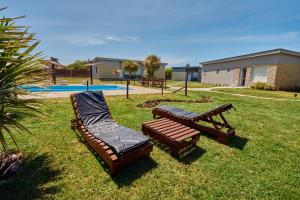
72, 73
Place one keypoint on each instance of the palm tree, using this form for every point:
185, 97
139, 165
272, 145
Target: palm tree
130, 67
152, 64
16, 62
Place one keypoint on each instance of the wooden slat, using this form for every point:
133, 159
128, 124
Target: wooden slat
178, 131
176, 127
102, 143
109, 152
113, 157
171, 129
162, 125
177, 135
105, 147
157, 120
187, 136
157, 123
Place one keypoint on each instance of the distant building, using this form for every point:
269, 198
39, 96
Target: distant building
279, 67
106, 68
179, 73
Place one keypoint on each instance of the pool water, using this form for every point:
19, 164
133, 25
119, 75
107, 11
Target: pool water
71, 88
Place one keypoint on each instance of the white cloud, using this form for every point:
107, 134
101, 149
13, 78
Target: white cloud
252, 38
85, 40
269, 37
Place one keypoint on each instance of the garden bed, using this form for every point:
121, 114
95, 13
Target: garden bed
155, 102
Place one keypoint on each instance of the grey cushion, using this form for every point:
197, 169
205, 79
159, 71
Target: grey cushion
95, 115
179, 112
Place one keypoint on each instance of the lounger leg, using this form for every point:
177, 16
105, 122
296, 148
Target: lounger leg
175, 151
72, 124
223, 139
147, 156
114, 170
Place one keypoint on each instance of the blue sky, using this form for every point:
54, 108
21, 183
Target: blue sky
179, 31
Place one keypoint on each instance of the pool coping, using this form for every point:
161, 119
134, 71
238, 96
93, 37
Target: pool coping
133, 90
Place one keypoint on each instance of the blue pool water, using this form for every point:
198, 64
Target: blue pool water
71, 88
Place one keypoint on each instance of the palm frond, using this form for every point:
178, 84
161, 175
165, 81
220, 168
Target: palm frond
16, 62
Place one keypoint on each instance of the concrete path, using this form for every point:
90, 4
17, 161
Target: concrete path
133, 90
241, 95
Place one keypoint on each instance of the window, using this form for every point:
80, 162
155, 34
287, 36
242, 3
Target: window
217, 71
260, 74
96, 69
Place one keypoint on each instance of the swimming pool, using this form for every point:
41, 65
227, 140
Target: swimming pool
71, 88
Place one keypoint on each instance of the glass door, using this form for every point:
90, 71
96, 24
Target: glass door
243, 73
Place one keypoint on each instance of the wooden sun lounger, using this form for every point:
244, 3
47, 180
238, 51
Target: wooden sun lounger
114, 161
217, 126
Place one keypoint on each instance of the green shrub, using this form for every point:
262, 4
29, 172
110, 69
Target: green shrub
263, 86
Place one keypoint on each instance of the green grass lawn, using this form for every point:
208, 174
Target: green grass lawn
191, 84
261, 93
261, 162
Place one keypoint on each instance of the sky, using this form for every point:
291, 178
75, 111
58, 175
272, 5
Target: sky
179, 31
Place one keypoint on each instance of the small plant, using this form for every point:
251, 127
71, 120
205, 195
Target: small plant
152, 64
168, 73
263, 86
130, 67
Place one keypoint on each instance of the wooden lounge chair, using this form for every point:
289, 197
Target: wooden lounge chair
191, 119
115, 144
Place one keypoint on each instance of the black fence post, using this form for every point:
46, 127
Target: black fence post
87, 85
91, 74
165, 84
127, 89
162, 87
186, 77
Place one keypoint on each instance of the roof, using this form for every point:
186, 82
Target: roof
252, 55
185, 67
53, 62
119, 60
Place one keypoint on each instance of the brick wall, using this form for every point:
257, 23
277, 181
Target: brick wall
248, 76
271, 74
287, 76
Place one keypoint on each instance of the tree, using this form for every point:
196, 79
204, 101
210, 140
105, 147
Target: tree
152, 64
168, 73
130, 67
78, 64
16, 62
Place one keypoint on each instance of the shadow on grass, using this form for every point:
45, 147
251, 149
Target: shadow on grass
237, 142
30, 182
134, 171
191, 155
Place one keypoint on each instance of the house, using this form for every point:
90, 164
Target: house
279, 67
111, 69
179, 73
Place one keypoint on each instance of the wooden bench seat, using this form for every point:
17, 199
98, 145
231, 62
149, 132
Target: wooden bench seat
173, 134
